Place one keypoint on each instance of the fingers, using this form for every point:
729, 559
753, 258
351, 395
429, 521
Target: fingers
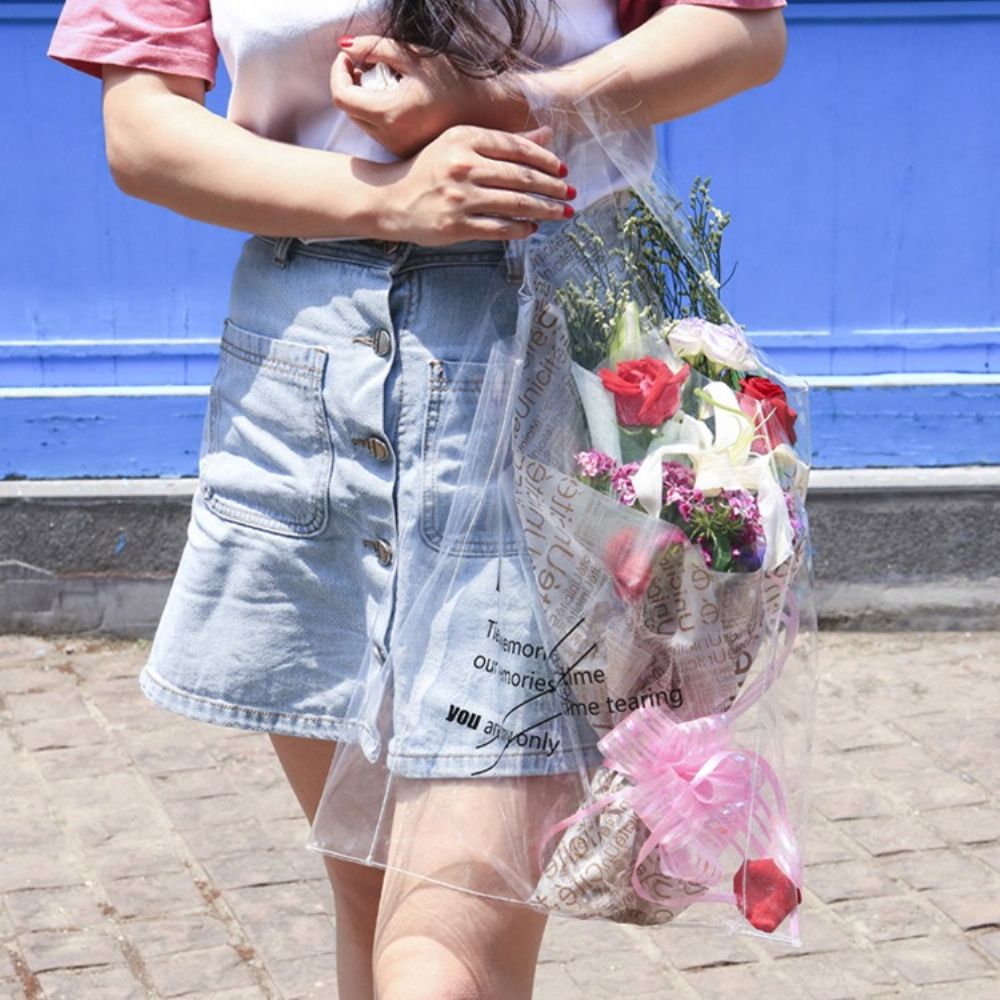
518, 205
485, 227
519, 177
366, 49
518, 147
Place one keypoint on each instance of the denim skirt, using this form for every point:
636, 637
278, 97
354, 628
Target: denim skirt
330, 450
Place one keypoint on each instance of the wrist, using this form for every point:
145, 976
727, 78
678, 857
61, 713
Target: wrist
374, 215
501, 102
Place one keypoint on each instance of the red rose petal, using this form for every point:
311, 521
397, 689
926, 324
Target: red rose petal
764, 893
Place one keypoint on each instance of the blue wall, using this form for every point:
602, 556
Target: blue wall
863, 185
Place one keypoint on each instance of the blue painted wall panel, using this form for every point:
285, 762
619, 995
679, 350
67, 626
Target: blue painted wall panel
863, 185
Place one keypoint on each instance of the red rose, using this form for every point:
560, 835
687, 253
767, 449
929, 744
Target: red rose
646, 391
765, 895
630, 556
766, 401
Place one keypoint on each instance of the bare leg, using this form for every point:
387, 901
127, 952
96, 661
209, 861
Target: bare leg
356, 888
437, 943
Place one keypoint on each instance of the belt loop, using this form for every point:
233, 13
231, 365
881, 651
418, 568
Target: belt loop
283, 250
513, 251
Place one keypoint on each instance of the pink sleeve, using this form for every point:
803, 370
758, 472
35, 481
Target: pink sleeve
171, 37
632, 13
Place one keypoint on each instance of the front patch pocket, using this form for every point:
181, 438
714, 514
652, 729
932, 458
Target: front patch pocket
267, 455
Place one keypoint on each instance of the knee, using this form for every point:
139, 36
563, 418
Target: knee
424, 970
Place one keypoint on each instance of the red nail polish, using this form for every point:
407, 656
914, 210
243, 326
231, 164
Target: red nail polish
346, 41
563, 170
570, 191
568, 210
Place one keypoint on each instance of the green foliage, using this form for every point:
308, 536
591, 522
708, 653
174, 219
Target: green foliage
648, 266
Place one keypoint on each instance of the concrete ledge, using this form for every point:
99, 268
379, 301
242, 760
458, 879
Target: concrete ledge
893, 549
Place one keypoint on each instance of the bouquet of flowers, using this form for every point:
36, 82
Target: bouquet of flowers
690, 505
599, 702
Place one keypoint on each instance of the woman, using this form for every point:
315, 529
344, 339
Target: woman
383, 219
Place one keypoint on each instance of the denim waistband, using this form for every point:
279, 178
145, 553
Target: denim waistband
398, 256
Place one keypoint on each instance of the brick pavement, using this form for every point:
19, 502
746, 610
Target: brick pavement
147, 856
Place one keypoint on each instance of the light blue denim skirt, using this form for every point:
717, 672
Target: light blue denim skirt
327, 465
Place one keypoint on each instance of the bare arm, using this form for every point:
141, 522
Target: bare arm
684, 58
163, 145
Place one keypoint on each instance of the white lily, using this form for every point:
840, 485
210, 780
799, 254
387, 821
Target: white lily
724, 461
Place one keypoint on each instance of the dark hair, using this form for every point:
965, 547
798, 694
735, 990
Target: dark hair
457, 28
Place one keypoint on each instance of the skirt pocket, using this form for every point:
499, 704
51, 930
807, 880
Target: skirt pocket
267, 455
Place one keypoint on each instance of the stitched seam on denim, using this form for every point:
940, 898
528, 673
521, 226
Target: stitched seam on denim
233, 707
432, 532
265, 360
239, 511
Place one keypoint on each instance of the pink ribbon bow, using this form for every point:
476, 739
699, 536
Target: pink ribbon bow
699, 795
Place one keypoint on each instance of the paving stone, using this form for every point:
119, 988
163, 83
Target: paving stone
292, 936
824, 842
210, 812
234, 871
738, 981
990, 943
892, 834
192, 783
553, 982
854, 802
849, 880
970, 910
889, 918
60, 701
258, 904
190, 972
126, 854
53, 909
311, 977
842, 976
609, 974
115, 983
226, 838
691, 948
152, 895
48, 734
75, 949
169, 935
36, 871
948, 960
33, 680
974, 989
966, 825
941, 869
566, 939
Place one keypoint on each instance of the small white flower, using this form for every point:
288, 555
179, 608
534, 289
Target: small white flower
710, 279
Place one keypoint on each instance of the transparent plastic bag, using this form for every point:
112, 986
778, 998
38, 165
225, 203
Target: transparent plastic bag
600, 702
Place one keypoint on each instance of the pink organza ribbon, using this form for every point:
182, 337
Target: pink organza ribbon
697, 793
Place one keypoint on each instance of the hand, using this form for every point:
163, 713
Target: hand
475, 183
431, 96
